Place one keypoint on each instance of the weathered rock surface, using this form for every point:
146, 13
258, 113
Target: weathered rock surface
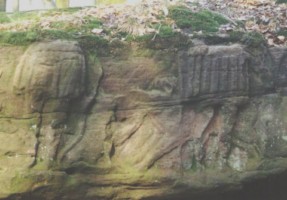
148, 124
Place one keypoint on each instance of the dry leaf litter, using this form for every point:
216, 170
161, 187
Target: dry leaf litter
264, 16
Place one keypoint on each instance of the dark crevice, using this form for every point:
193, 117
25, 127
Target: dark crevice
112, 151
267, 188
38, 142
85, 106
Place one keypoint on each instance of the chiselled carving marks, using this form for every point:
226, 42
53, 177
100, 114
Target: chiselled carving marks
128, 124
82, 131
149, 137
208, 146
279, 56
48, 71
49, 79
161, 132
190, 148
217, 71
72, 141
88, 142
117, 126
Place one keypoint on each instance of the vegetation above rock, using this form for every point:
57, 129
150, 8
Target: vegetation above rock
281, 1
163, 23
203, 20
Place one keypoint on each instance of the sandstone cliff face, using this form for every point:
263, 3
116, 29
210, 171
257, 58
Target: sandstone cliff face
147, 124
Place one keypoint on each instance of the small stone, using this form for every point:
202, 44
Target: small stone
281, 37
97, 30
270, 42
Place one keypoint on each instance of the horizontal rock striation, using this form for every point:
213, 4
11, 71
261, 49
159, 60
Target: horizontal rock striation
145, 124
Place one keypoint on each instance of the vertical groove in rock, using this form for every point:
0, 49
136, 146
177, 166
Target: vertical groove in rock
234, 74
223, 76
82, 123
196, 81
119, 129
191, 75
214, 76
213, 73
205, 80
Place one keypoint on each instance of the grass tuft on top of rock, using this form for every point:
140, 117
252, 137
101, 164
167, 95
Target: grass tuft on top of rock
160, 27
4, 18
18, 38
204, 20
281, 1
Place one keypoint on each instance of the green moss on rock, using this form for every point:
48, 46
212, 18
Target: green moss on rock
252, 39
4, 18
203, 20
166, 31
93, 43
18, 38
283, 32
281, 1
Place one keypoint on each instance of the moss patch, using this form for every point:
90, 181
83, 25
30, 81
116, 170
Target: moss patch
165, 31
204, 20
4, 18
250, 39
166, 37
283, 32
59, 29
281, 1
90, 43
94, 44
18, 38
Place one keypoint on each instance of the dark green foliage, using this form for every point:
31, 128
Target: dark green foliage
59, 30
18, 38
91, 23
252, 39
58, 25
283, 32
55, 34
4, 18
204, 20
214, 39
93, 43
236, 35
166, 31
88, 42
281, 1
181, 15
